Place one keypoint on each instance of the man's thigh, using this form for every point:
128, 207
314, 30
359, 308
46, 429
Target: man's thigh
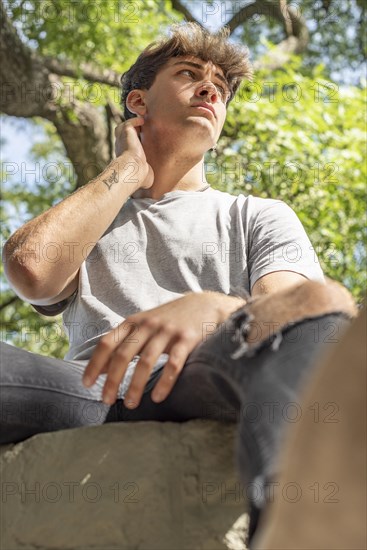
42, 394
201, 391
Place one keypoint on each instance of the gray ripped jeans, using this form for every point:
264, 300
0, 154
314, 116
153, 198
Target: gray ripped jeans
224, 378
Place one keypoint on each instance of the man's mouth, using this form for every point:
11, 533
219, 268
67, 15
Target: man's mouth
206, 107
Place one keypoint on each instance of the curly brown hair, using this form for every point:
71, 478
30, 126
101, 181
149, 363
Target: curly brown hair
188, 39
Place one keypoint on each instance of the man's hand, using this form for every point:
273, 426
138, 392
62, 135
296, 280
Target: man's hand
127, 140
175, 328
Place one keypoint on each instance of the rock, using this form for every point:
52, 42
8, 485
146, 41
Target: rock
137, 485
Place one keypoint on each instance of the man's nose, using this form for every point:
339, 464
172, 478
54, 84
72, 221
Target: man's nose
207, 89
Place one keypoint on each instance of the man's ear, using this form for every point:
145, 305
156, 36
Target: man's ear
135, 102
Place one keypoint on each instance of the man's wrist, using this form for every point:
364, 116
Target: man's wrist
130, 169
226, 305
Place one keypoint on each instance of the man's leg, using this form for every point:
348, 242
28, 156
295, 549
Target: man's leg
41, 394
324, 459
252, 370
279, 339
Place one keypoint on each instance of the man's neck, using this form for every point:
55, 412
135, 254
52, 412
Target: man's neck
173, 172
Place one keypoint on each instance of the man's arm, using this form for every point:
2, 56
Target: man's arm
282, 298
276, 281
43, 257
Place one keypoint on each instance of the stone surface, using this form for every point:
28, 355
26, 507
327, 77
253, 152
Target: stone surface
138, 485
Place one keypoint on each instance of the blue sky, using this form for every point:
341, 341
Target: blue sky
19, 135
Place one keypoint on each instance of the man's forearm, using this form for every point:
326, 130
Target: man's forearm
46, 252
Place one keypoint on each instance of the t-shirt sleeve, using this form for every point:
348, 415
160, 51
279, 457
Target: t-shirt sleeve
278, 242
55, 309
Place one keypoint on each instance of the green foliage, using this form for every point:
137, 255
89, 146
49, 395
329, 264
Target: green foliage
337, 35
106, 33
24, 198
23, 327
301, 139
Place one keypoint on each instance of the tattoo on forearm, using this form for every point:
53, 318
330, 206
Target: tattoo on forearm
111, 179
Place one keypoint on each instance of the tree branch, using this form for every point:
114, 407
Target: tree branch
292, 21
86, 71
178, 6
113, 116
22, 75
30, 89
287, 22
9, 302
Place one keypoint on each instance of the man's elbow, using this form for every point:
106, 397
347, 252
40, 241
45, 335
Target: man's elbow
24, 275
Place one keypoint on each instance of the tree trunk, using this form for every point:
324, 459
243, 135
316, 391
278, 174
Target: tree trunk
30, 89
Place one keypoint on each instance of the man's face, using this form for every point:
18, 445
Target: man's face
187, 93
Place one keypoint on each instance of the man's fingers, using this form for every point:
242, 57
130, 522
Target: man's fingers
126, 332
149, 356
136, 121
171, 371
124, 139
119, 361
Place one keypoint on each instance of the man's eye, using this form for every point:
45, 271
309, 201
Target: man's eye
187, 71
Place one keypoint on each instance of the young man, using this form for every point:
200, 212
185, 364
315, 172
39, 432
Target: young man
155, 264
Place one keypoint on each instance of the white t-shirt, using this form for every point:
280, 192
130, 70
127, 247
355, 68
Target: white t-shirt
156, 250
